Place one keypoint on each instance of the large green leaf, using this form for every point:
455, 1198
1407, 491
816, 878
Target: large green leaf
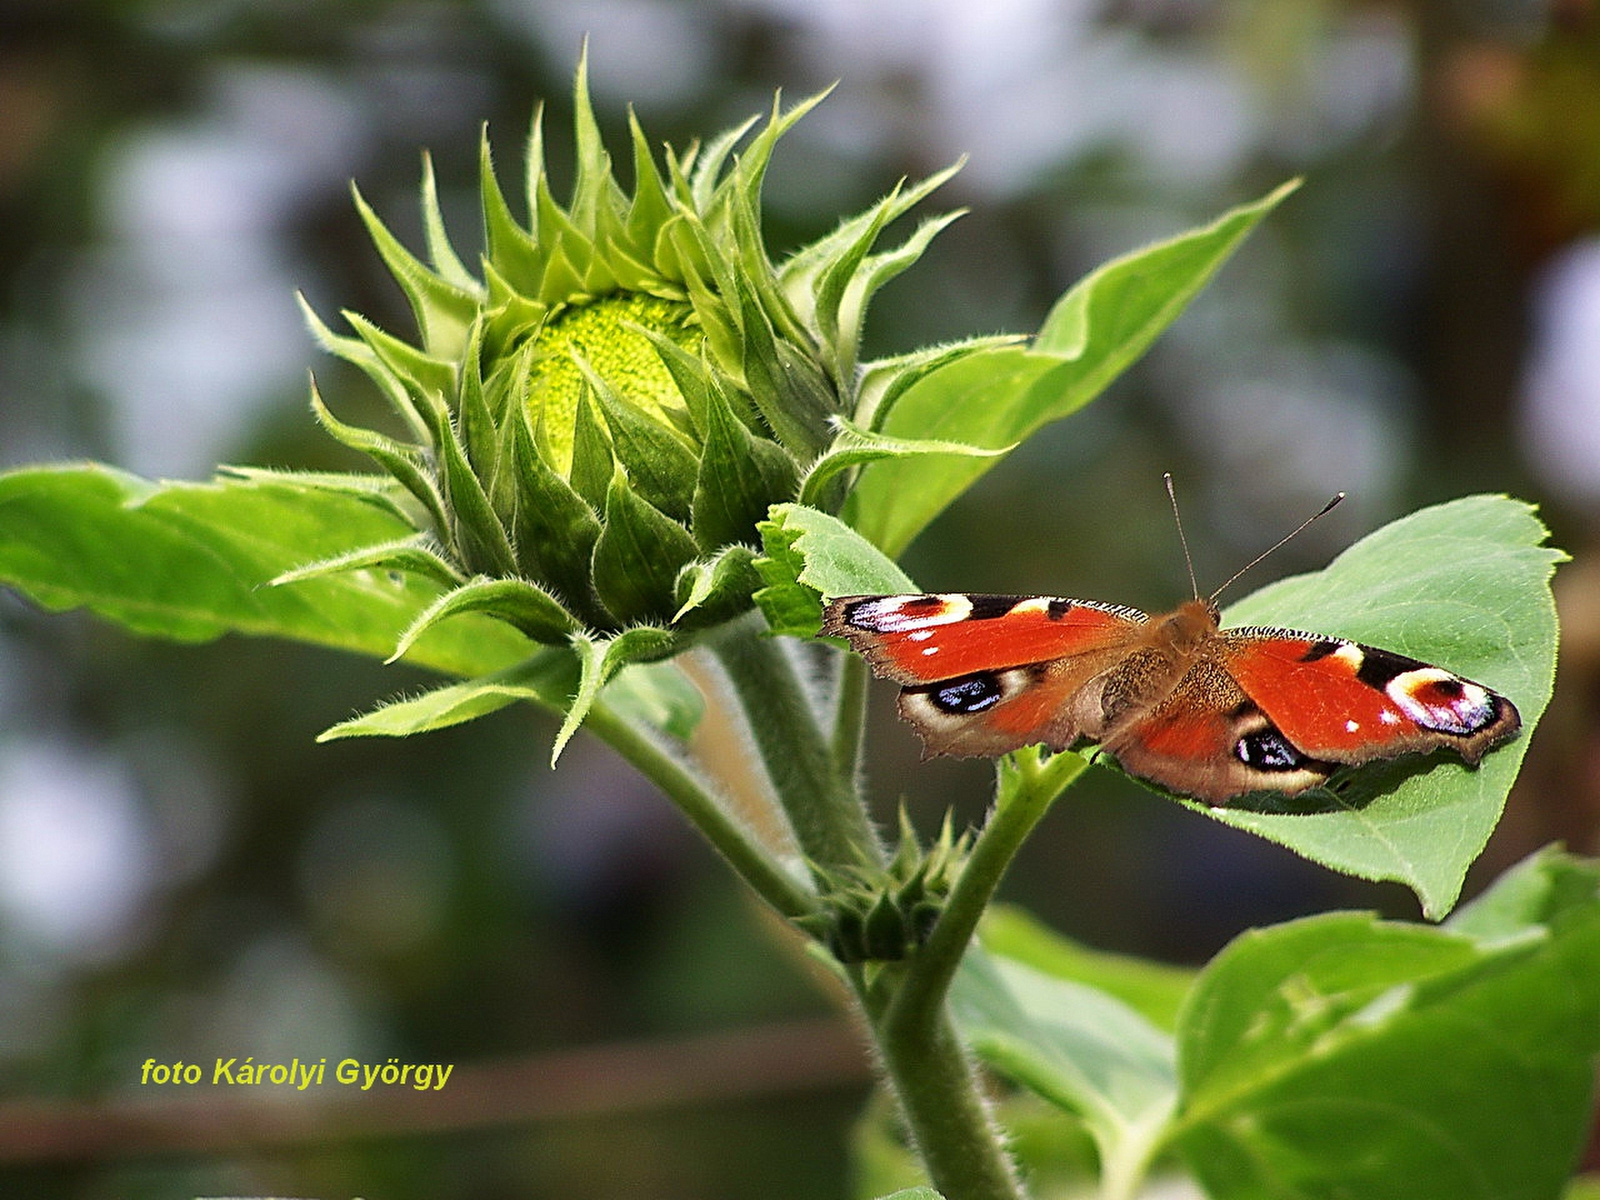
1154, 990
1464, 585
996, 397
1345, 1056
192, 561
1078, 1047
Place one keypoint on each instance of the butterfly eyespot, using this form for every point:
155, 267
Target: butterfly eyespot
1440, 701
972, 694
1268, 750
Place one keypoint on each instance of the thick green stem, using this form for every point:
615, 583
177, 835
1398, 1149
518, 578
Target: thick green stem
1025, 791
938, 1092
937, 1088
827, 815
698, 801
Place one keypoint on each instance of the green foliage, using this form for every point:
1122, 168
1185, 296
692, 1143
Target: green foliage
810, 554
192, 561
998, 396
1336, 1055
1464, 585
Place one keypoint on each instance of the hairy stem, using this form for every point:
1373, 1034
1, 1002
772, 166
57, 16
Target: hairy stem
849, 714
827, 815
955, 1136
934, 1081
1025, 791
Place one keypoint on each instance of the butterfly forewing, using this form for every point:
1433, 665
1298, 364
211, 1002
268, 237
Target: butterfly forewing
924, 638
1349, 703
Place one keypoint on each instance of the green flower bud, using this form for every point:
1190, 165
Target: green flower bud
596, 422
884, 915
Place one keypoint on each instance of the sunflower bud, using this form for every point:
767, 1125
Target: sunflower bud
595, 426
884, 914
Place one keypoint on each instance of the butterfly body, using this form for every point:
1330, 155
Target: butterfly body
1196, 709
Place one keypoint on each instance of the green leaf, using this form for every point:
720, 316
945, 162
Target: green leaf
547, 679
1463, 585
445, 261
1154, 990
657, 695
809, 552
414, 554
854, 447
878, 270
382, 489
517, 602
660, 464
192, 561
553, 529
710, 592
476, 422
598, 662
478, 537
884, 380
516, 256
840, 275
787, 387
1077, 1047
998, 398
359, 354
638, 556
425, 374
739, 477
406, 463
443, 309
1537, 891
1346, 1056
991, 398
592, 463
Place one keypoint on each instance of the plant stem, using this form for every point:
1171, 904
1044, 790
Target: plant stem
849, 714
937, 1087
1025, 790
922, 1056
698, 801
828, 817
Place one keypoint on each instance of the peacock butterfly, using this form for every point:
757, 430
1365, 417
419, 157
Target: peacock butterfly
1198, 710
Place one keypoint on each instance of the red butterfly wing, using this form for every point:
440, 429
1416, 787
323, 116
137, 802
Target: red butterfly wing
1275, 710
1348, 703
982, 675
923, 639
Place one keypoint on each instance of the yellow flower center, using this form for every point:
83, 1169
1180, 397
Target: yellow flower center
600, 334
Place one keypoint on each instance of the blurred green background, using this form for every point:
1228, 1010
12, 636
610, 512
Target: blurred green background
184, 874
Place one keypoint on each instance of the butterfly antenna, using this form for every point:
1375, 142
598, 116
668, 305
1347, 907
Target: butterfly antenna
1188, 561
1322, 512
